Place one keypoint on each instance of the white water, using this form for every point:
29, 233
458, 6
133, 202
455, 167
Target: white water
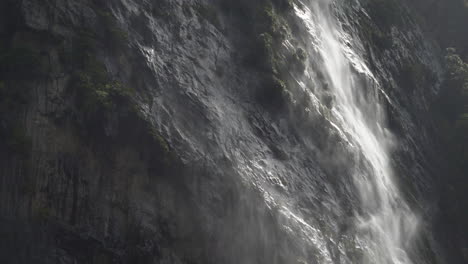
385, 224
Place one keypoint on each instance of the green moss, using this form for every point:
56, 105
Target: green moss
95, 90
452, 110
276, 26
265, 55
159, 140
278, 85
457, 70
453, 99
300, 54
98, 96
298, 59
270, 29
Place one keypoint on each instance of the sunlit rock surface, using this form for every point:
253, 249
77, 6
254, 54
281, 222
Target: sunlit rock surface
198, 169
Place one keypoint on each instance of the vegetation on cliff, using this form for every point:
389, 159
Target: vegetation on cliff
266, 24
448, 21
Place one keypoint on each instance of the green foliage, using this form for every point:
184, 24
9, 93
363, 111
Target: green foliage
96, 91
453, 100
94, 88
98, 96
452, 110
298, 59
273, 30
275, 25
272, 92
264, 24
300, 55
209, 13
159, 141
457, 70
114, 36
265, 56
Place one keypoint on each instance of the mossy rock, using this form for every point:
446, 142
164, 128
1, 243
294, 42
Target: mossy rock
298, 60
275, 25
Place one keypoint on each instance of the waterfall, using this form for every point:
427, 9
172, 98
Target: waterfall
384, 223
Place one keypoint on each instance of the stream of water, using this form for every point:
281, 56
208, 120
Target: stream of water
385, 224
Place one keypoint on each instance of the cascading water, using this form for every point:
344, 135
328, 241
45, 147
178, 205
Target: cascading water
384, 223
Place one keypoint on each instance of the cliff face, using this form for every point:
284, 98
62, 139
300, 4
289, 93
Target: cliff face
111, 154
86, 177
178, 132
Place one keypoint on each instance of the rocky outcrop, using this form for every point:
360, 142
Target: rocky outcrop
179, 132
105, 160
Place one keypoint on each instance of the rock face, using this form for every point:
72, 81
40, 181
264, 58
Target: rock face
144, 136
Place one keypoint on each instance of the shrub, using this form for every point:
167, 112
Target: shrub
457, 70
453, 97
265, 53
298, 59
95, 91
275, 25
264, 24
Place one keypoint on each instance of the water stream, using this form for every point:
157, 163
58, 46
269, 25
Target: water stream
384, 223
